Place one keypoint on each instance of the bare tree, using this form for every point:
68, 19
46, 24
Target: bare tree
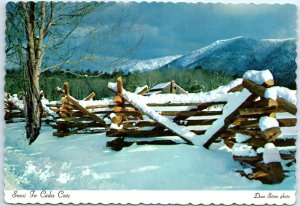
35, 28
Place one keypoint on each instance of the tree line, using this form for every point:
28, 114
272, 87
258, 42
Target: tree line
83, 83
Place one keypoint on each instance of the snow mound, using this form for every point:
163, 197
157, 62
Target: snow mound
281, 92
241, 137
259, 77
267, 122
271, 154
16, 101
243, 150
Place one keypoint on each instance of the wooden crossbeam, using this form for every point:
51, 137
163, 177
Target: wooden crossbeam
260, 91
230, 119
145, 133
120, 93
259, 111
80, 107
190, 113
90, 96
246, 123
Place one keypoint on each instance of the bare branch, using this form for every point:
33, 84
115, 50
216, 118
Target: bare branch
51, 21
66, 62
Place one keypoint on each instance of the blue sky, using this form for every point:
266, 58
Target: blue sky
170, 29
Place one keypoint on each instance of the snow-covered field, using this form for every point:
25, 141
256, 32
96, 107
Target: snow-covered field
84, 162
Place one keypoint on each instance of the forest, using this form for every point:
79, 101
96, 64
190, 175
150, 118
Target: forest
84, 82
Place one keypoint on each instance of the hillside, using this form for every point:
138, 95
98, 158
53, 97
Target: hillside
235, 56
147, 65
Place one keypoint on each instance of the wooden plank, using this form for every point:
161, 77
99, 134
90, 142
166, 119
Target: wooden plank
118, 109
100, 106
117, 120
152, 116
287, 106
237, 88
254, 88
67, 88
260, 91
90, 96
145, 133
118, 100
62, 134
245, 123
119, 143
78, 124
230, 119
119, 85
284, 142
251, 132
259, 111
142, 123
272, 133
143, 91
195, 122
247, 158
200, 105
190, 113
85, 111
288, 122
139, 133
265, 103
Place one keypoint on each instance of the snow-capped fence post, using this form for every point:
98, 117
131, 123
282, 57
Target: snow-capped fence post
260, 91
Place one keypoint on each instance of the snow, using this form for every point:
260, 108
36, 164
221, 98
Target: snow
115, 126
219, 94
267, 122
16, 101
83, 162
147, 65
199, 54
260, 150
281, 92
44, 102
271, 154
241, 137
136, 101
233, 103
248, 171
259, 77
107, 121
160, 86
139, 89
112, 115
243, 150
85, 103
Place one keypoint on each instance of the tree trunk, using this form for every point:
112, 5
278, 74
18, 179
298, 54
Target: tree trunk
34, 109
34, 55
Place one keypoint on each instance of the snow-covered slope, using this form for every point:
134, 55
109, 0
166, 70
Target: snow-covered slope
237, 55
147, 65
84, 162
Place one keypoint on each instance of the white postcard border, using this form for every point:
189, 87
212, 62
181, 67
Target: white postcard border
150, 197
275, 197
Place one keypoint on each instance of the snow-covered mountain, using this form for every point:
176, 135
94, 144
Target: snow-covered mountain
237, 55
146, 65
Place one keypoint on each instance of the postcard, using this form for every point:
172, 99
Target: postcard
150, 102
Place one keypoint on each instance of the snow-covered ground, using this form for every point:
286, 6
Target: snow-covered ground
84, 162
